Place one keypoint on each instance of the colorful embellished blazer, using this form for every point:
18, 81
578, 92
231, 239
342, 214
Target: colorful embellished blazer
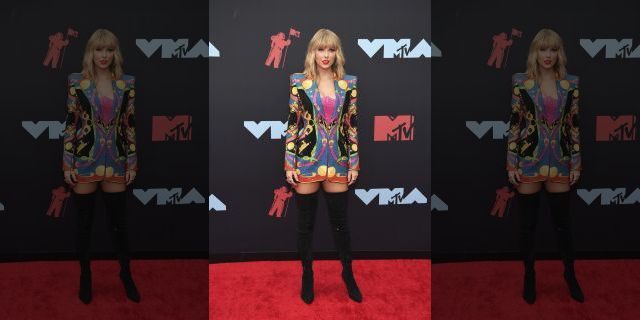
316, 149
537, 149
82, 141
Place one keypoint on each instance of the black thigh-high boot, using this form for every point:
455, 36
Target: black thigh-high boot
307, 205
116, 215
85, 204
337, 205
560, 212
529, 205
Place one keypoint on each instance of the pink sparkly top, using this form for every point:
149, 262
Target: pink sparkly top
328, 107
106, 105
550, 109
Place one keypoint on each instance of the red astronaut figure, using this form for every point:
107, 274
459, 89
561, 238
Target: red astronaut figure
58, 195
500, 43
280, 196
502, 198
56, 43
278, 43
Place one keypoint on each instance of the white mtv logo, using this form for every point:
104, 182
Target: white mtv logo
399, 49
1, 206
609, 196
437, 204
277, 128
391, 196
36, 129
613, 48
177, 49
499, 128
168, 196
216, 204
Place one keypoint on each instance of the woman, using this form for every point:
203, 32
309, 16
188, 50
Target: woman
544, 149
322, 150
100, 149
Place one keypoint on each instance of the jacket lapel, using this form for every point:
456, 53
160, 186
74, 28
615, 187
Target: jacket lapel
118, 92
533, 89
563, 90
341, 87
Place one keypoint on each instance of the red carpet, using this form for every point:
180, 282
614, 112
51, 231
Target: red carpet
170, 289
392, 289
492, 290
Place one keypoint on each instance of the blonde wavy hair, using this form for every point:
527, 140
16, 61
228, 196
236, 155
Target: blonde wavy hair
99, 39
546, 38
324, 38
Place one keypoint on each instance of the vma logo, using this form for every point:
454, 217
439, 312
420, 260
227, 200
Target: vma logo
500, 48
169, 196
36, 129
58, 43
177, 49
393, 128
610, 196
612, 48
171, 128
277, 128
391, 196
499, 129
399, 49
616, 128
215, 204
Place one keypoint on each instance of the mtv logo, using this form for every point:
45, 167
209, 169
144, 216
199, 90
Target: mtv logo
216, 204
393, 128
391, 196
171, 128
398, 49
1, 206
177, 49
35, 129
616, 128
168, 196
609, 196
614, 48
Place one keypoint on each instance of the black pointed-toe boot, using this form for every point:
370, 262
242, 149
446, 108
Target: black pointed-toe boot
85, 204
337, 206
559, 204
115, 205
529, 206
307, 206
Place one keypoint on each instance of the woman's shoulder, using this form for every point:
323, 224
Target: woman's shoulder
75, 77
519, 77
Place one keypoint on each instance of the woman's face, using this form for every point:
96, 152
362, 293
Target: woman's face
325, 58
103, 57
547, 57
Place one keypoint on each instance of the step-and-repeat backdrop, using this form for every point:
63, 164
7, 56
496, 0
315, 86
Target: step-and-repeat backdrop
257, 45
165, 46
483, 44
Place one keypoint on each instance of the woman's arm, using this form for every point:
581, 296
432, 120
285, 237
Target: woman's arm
351, 123
515, 122
71, 120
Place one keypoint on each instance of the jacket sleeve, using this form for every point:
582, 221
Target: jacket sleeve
351, 121
69, 134
574, 127
291, 134
515, 122
130, 128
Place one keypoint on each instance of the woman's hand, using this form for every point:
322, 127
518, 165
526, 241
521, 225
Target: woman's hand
129, 176
292, 178
574, 175
70, 178
514, 177
352, 176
